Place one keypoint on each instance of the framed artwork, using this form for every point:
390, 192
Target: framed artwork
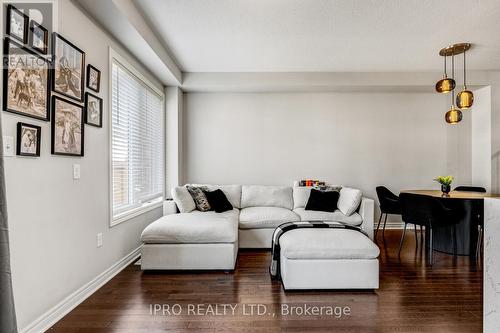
69, 65
17, 24
38, 37
25, 81
67, 127
93, 78
93, 110
28, 139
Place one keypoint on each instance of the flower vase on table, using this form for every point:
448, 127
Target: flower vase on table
445, 182
445, 189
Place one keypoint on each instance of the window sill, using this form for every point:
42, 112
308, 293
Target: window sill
147, 207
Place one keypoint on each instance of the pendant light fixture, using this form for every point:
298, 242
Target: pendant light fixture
465, 98
445, 85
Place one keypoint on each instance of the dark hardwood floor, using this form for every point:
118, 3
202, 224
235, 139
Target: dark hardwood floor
412, 297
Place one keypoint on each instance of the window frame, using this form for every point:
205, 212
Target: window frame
154, 203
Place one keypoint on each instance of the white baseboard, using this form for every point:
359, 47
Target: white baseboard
392, 225
48, 319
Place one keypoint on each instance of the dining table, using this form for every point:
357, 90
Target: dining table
471, 205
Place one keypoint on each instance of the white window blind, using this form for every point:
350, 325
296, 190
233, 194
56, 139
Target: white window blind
137, 142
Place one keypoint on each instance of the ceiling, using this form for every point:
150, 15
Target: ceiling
323, 35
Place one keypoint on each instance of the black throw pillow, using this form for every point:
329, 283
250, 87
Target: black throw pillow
218, 201
325, 201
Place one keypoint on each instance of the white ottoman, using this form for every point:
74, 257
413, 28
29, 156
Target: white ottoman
328, 259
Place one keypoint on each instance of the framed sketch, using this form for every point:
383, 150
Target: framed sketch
28, 139
93, 78
67, 127
25, 82
69, 66
38, 37
17, 24
93, 110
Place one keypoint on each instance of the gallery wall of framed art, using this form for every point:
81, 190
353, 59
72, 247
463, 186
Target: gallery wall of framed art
48, 87
46, 203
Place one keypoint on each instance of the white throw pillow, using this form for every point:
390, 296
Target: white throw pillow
349, 200
300, 196
183, 199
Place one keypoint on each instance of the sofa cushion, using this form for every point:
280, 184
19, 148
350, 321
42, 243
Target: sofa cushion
218, 201
199, 197
336, 216
301, 194
349, 200
325, 201
183, 199
266, 196
265, 217
194, 227
232, 192
327, 244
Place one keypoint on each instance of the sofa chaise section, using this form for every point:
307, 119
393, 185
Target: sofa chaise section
191, 240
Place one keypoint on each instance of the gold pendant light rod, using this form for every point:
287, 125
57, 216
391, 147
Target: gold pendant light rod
465, 75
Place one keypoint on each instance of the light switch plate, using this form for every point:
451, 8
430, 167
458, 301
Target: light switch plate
99, 239
76, 171
8, 146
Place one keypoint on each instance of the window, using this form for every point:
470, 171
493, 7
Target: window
137, 135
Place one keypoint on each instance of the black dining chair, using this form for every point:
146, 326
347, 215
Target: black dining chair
389, 204
430, 213
480, 217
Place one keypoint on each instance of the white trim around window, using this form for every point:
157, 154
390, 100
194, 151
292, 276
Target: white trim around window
146, 203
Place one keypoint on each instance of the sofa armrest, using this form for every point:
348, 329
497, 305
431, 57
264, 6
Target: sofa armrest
367, 212
169, 207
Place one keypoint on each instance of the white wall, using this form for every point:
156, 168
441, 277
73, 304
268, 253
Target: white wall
358, 139
481, 138
495, 131
54, 219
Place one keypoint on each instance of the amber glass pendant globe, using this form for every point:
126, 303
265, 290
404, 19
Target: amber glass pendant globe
445, 85
465, 98
454, 116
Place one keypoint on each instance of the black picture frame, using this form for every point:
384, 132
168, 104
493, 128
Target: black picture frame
56, 38
10, 10
34, 25
87, 94
55, 123
7, 106
20, 139
92, 68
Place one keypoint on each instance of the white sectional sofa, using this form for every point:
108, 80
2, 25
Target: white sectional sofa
190, 239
